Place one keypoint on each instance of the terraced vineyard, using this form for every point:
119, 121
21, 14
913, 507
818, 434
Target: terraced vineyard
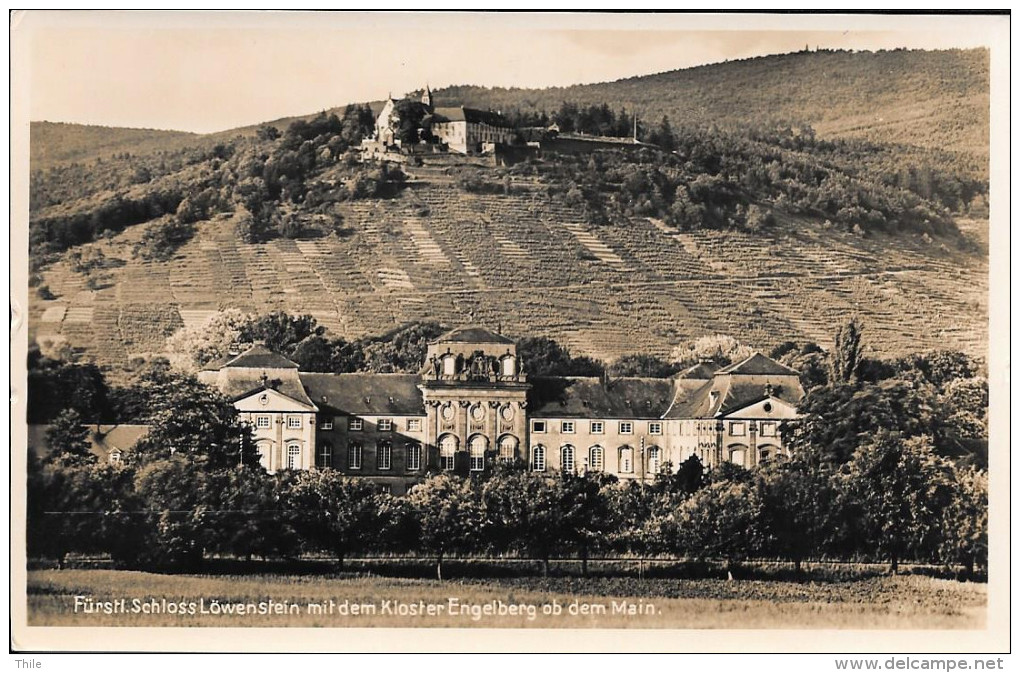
534, 267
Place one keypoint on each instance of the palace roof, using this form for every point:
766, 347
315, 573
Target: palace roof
366, 394
473, 334
583, 397
733, 394
239, 383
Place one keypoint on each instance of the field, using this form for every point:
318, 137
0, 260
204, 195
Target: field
365, 600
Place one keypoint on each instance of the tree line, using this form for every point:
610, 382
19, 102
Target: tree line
893, 501
263, 176
879, 471
706, 177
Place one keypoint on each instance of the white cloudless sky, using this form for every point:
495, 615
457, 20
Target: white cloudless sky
212, 71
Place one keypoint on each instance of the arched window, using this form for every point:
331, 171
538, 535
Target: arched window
738, 454
293, 456
265, 449
448, 452
626, 459
653, 459
596, 459
567, 458
383, 456
477, 446
325, 454
769, 452
413, 457
538, 458
507, 448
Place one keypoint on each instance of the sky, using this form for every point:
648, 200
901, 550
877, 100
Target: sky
213, 71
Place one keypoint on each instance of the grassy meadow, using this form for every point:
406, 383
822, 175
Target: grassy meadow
365, 600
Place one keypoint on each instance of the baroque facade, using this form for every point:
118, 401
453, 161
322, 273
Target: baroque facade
473, 403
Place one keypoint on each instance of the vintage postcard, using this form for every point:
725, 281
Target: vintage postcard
386, 332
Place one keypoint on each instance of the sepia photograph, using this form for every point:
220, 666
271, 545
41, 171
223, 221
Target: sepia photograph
670, 332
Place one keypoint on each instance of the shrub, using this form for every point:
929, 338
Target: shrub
162, 239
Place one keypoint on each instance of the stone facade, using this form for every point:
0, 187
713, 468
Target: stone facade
473, 403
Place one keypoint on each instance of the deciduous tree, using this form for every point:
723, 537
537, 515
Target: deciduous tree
334, 512
449, 516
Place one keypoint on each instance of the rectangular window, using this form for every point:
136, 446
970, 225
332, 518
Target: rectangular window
384, 425
567, 427
655, 428
263, 422
768, 429
325, 455
413, 457
477, 460
626, 428
355, 424
354, 456
538, 426
448, 452
384, 456
414, 425
293, 421
326, 423
597, 427
738, 429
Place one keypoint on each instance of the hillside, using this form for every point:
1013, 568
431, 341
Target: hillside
53, 144
760, 232
931, 99
534, 268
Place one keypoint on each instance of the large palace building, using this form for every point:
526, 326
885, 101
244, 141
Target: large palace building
473, 403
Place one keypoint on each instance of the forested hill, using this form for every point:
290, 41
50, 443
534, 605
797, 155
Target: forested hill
54, 143
933, 99
762, 231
